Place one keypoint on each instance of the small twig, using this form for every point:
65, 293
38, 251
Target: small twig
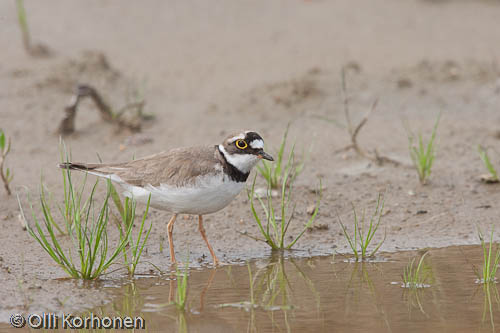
354, 134
67, 125
354, 131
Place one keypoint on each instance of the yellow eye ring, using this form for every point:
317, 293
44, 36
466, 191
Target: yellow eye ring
241, 144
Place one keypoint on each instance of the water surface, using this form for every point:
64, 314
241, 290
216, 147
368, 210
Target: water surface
321, 294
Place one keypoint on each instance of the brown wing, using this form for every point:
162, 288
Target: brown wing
177, 167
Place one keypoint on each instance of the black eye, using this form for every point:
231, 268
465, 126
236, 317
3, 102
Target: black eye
241, 144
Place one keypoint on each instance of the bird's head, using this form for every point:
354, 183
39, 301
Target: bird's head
244, 150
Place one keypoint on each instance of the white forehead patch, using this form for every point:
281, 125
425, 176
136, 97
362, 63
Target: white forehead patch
257, 144
237, 137
242, 162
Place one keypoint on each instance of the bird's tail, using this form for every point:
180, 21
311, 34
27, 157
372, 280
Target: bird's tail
96, 169
92, 168
78, 166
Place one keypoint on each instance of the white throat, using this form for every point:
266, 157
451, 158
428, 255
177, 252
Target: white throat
242, 162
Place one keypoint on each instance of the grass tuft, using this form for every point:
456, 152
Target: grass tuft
423, 155
416, 277
182, 288
274, 227
23, 24
35, 50
274, 172
493, 176
360, 240
133, 251
491, 259
6, 175
91, 255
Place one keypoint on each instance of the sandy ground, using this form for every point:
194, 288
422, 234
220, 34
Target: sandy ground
208, 70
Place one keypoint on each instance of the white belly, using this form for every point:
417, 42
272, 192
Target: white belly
208, 195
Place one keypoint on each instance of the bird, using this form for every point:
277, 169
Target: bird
196, 180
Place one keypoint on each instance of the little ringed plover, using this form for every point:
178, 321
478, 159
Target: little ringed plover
192, 180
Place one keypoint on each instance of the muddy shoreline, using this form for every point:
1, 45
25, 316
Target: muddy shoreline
200, 86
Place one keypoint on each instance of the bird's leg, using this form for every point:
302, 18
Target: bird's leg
202, 232
170, 229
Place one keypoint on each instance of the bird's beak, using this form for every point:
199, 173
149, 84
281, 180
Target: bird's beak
265, 156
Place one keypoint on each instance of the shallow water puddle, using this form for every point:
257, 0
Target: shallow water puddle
322, 294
